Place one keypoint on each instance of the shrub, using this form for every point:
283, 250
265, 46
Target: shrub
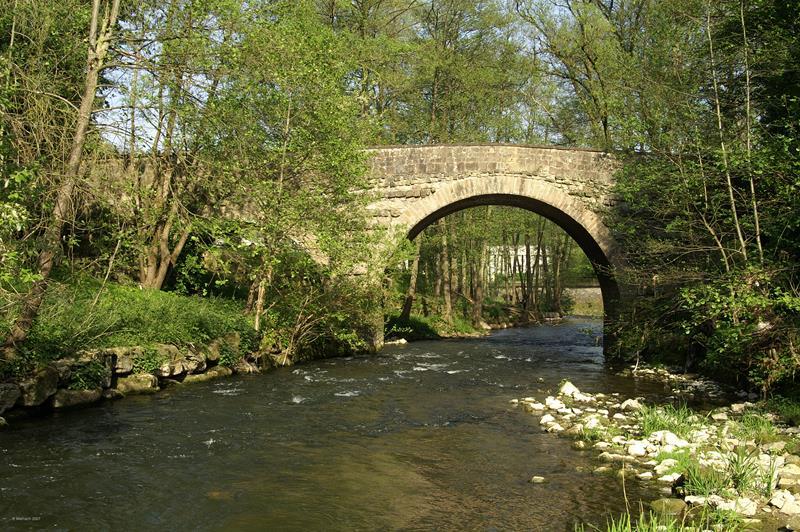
88, 376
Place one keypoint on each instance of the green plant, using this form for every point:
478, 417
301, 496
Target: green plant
743, 469
704, 481
755, 427
703, 519
676, 419
787, 409
88, 376
228, 355
149, 361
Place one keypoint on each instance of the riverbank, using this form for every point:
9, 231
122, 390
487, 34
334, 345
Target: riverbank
95, 341
729, 464
112, 373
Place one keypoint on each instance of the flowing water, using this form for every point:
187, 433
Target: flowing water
418, 437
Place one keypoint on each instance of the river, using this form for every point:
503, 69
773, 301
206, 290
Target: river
418, 437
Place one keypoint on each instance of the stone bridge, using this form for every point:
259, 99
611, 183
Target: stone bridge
417, 185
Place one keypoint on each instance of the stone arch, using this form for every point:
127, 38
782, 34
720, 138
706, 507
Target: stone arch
582, 224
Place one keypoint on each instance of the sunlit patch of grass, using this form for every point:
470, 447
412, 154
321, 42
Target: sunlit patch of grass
676, 419
701, 519
787, 409
755, 427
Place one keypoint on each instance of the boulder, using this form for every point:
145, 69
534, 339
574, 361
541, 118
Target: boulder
793, 523
245, 367
533, 407
9, 393
669, 507
211, 373
124, 357
66, 398
174, 361
112, 393
631, 404
568, 389
194, 362
37, 389
137, 383
554, 404
637, 449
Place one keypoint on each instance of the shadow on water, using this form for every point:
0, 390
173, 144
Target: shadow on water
418, 437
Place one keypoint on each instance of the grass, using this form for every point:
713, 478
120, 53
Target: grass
755, 427
78, 313
704, 519
787, 409
675, 419
426, 327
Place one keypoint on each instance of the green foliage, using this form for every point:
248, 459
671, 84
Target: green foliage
415, 328
676, 419
748, 325
88, 376
702, 519
228, 355
787, 409
149, 361
755, 427
81, 313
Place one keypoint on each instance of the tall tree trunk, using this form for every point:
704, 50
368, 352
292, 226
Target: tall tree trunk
477, 300
720, 130
405, 314
444, 270
99, 42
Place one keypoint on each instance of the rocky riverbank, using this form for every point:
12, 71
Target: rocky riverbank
734, 460
103, 374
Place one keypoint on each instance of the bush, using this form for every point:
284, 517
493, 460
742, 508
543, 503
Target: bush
88, 377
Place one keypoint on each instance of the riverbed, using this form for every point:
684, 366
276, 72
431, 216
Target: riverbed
418, 437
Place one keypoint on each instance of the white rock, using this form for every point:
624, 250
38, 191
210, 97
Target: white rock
791, 508
742, 505
672, 477
536, 479
514, 401
554, 404
695, 500
738, 408
719, 416
646, 475
781, 498
637, 449
547, 418
533, 407
555, 427
568, 389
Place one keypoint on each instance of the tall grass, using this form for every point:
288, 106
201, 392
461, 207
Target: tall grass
704, 519
676, 419
79, 313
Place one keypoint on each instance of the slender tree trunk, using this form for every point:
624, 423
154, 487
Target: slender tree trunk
405, 314
444, 269
748, 137
726, 166
477, 300
99, 42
